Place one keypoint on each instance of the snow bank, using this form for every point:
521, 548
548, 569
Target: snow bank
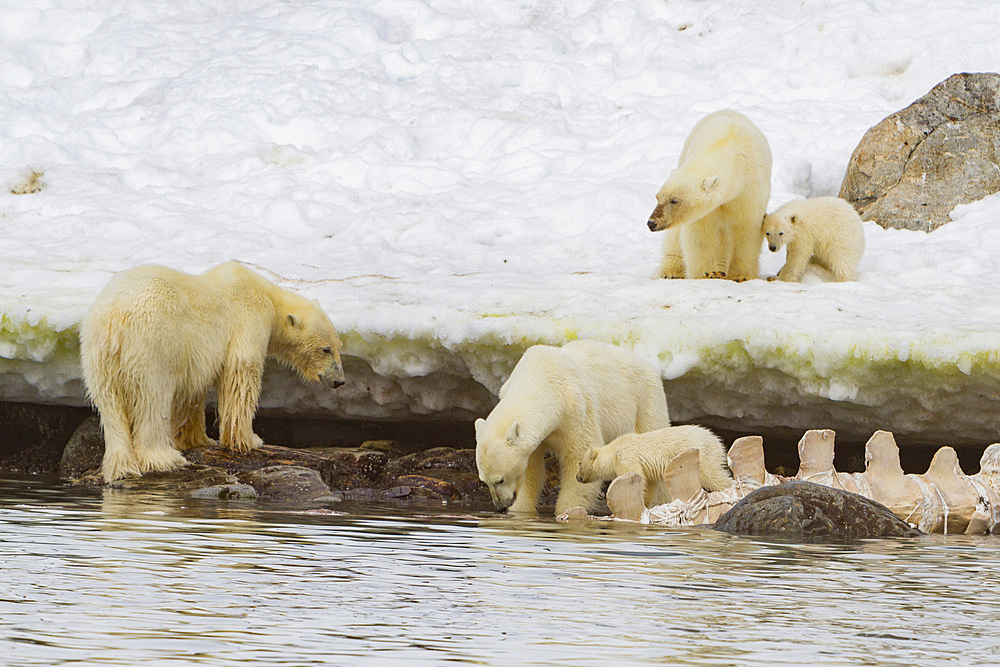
456, 181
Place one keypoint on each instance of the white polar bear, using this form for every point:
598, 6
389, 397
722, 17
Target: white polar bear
564, 400
649, 454
156, 339
712, 204
825, 231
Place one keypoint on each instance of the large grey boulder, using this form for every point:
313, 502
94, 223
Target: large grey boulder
803, 510
914, 167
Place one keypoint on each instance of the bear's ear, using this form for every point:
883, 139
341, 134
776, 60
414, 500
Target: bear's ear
513, 432
293, 321
710, 183
479, 425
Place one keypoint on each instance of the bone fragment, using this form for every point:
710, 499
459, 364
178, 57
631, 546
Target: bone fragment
883, 480
624, 497
816, 461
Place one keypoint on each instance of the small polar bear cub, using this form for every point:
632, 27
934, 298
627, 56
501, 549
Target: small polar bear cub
650, 453
825, 231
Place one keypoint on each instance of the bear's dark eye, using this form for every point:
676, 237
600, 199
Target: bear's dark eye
781, 233
499, 481
326, 350
674, 201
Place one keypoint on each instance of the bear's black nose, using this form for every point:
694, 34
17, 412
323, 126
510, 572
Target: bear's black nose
652, 225
338, 383
773, 248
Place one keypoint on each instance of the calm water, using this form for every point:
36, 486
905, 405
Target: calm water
127, 579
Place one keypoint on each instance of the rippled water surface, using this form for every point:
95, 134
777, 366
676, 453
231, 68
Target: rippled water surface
121, 578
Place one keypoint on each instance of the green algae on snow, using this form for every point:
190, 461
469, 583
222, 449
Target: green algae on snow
40, 342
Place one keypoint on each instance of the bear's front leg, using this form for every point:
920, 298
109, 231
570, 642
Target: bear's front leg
796, 261
672, 265
530, 489
573, 493
239, 390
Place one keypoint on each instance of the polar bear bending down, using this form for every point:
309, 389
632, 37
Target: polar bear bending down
649, 454
825, 231
565, 400
712, 204
156, 340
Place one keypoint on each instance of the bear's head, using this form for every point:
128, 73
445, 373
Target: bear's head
304, 340
502, 458
778, 229
597, 465
684, 197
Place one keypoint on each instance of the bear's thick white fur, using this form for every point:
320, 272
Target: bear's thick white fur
564, 400
649, 453
712, 205
156, 340
825, 231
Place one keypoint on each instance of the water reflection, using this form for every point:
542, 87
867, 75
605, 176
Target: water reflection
126, 578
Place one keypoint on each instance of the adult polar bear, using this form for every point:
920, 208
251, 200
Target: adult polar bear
713, 203
565, 400
156, 339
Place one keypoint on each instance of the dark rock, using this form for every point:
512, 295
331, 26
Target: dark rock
84, 450
288, 483
803, 510
437, 458
340, 467
33, 436
226, 492
177, 482
914, 167
391, 448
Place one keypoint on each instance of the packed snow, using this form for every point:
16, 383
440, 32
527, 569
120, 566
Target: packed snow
456, 180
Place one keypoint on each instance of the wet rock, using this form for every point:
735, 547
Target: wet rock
437, 458
226, 492
84, 450
391, 448
440, 472
177, 482
288, 483
34, 435
803, 510
914, 167
340, 467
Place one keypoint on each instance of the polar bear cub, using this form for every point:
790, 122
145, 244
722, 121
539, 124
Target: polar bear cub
649, 454
825, 231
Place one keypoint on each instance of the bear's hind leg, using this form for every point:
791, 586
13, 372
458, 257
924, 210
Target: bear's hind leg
119, 459
153, 431
189, 420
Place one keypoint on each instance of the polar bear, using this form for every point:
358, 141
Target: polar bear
825, 231
649, 453
564, 400
156, 339
712, 203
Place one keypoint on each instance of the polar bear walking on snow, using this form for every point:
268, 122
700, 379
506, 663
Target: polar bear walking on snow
712, 203
156, 340
825, 231
565, 400
650, 453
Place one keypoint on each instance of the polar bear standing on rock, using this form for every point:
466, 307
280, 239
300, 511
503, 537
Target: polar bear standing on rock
712, 204
564, 400
825, 231
156, 340
649, 454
